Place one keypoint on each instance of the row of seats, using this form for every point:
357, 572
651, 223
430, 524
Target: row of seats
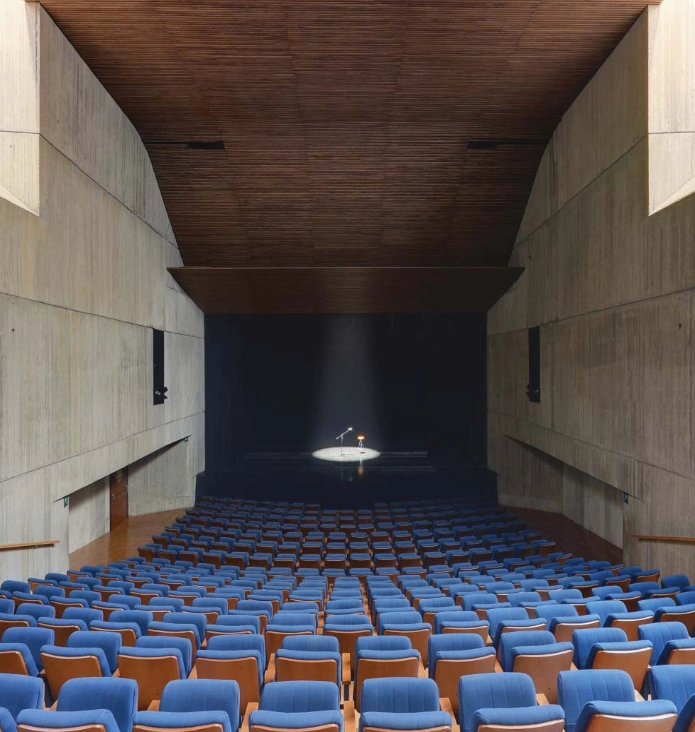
522, 609
158, 657
595, 700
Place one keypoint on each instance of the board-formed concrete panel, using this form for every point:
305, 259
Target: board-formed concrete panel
85, 243
611, 282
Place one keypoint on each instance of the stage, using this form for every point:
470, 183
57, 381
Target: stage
346, 454
392, 476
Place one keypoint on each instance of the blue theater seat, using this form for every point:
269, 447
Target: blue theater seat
98, 720
119, 696
13, 586
677, 685
152, 668
547, 718
309, 657
537, 654
235, 622
583, 641
62, 664
453, 655
298, 705
505, 699
18, 693
86, 615
241, 657
203, 696
379, 660
402, 704
181, 644
562, 620
32, 638
188, 618
141, 618
680, 581
16, 658
409, 625
646, 716
662, 637
496, 616
578, 688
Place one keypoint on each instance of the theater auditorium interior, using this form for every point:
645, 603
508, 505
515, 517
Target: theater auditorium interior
346, 366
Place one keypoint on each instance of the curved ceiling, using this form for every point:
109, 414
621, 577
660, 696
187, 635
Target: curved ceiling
344, 133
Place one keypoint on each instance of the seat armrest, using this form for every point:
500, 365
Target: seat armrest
270, 671
422, 671
250, 707
194, 673
542, 700
498, 667
638, 696
347, 670
154, 706
350, 716
445, 706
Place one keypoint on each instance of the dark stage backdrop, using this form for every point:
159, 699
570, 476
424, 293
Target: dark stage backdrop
291, 383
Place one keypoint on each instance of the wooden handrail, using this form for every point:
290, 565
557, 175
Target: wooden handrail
28, 545
678, 539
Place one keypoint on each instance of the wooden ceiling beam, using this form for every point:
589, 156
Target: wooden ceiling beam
345, 289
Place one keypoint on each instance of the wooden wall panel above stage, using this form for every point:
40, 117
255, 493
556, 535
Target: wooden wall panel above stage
370, 133
345, 289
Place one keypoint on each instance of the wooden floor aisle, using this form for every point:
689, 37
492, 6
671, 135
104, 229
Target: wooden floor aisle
124, 540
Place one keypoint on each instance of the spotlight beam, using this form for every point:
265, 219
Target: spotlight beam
349, 455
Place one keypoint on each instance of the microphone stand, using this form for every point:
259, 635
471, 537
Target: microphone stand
340, 437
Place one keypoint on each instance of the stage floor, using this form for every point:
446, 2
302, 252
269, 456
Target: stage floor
346, 454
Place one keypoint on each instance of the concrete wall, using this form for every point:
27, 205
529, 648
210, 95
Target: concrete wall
88, 515
160, 482
607, 243
84, 245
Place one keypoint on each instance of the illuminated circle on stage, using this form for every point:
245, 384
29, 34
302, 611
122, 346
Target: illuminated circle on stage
349, 454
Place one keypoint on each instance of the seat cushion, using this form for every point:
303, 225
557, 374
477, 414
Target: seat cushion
411, 721
296, 720
7, 723
623, 709
511, 717
61, 720
178, 720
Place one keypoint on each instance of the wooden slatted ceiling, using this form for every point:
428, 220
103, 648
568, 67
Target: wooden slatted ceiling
346, 123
